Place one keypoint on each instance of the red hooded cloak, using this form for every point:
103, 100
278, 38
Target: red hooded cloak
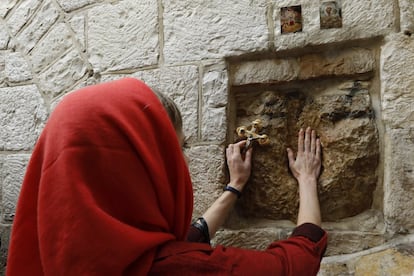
106, 185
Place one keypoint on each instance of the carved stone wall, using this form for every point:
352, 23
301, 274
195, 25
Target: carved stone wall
335, 92
346, 126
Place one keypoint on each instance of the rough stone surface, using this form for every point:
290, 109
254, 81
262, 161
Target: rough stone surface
399, 176
123, 35
207, 172
396, 261
2, 67
213, 115
51, 47
4, 236
6, 6
250, 238
20, 16
407, 16
16, 68
333, 63
38, 26
196, 30
397, 85
69, 6
399, 142
4, 36
65, 72
324, 64
349, 137
370, 221
13, 170
78, 23
352, 242
22, 116
266, 71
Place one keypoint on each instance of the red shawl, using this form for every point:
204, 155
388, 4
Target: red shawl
107, 183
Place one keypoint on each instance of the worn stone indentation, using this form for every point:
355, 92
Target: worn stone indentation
345, 124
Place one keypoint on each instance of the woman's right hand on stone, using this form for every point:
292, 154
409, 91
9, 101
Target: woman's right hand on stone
239, 164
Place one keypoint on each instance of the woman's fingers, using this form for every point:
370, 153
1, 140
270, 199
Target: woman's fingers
307, 139
291, 157
300, 142
318, 148
313, 141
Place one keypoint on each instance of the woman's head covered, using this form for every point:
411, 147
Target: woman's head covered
106, 184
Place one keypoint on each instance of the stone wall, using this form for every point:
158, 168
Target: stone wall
226, 63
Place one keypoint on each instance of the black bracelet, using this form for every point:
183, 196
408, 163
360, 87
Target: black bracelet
233, 190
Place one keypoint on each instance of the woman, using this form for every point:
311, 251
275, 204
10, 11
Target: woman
107, 192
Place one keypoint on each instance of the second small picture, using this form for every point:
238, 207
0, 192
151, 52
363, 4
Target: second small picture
331, 15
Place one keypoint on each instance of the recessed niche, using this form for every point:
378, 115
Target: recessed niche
330, 93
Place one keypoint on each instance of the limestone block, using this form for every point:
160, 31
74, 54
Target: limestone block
250, 238
16, 67
2, 67
399, 180
6, 6
361, 20
351, 61
397, 84
350, 142
78, 23
196, 30
213, 116
348, 62
336, 268
206, 167
4, 36
13, 171
407, 16
123, 35
22, 117
370, 221
265, 71
44, 18
5, 236
397, 261
63, 74
69, 6
181, 84
51, 47
20, 16
346, 242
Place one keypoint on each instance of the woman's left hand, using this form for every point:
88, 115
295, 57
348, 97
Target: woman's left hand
239, 165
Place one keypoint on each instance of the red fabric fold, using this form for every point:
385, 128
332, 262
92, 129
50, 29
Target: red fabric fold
106, 185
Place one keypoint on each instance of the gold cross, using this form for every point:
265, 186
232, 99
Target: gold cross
251, 133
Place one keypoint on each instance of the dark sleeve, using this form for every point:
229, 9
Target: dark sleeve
310, 231
196, 235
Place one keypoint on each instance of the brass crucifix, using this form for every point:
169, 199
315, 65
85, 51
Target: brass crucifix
251, 133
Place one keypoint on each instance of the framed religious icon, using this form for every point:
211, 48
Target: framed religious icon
330, 14
291, 19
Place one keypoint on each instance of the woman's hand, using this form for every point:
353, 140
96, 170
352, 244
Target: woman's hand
306, 169
239, 166
308, 160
